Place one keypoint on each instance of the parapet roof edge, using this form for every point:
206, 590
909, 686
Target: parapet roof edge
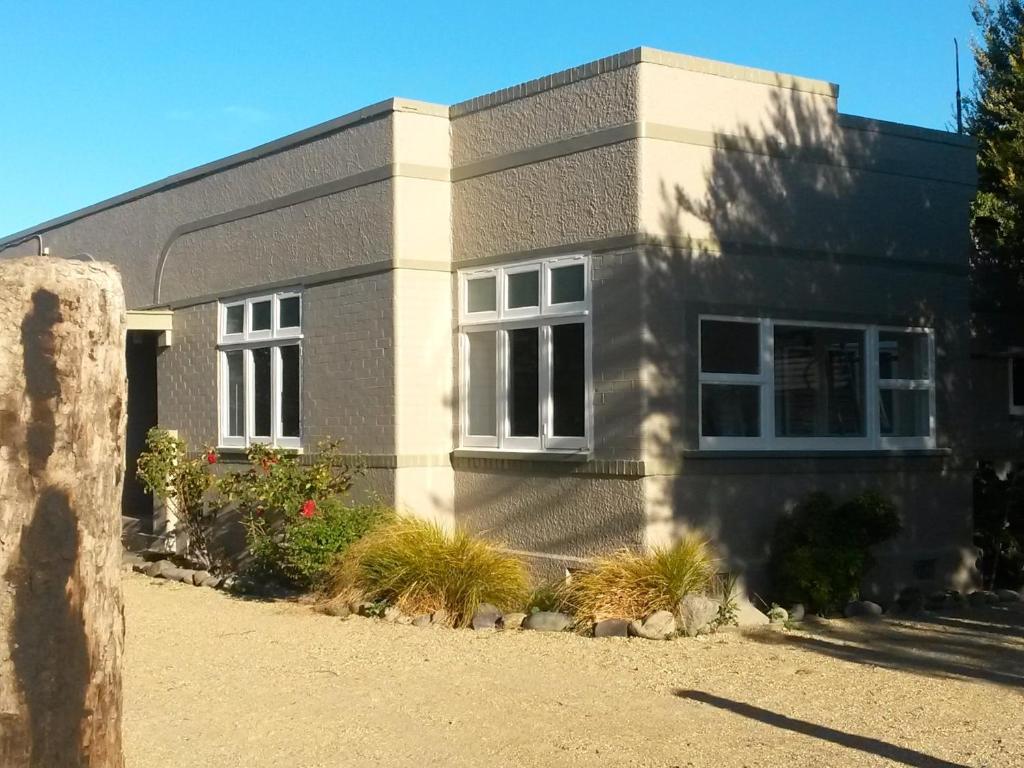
905, 130
640, 55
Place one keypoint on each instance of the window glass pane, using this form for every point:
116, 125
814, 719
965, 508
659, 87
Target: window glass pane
482, 409
261, 316
261, 391
524, 378
730, 410
904, 413
481, 294
234, 319
819, 382
236, 393
291, 309
1018, 380
567, 284
729, 347
568, 380
523, 290
902, 355
290, 374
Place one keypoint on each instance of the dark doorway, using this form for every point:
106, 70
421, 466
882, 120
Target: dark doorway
142, 415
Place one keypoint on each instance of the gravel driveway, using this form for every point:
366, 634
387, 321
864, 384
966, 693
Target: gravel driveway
212, 680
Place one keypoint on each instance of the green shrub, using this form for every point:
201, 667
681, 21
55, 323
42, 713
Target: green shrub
305, 550
165, 470
277, 483
547, 596
632, 585
821, 552
419, 567
999, 526
295, 523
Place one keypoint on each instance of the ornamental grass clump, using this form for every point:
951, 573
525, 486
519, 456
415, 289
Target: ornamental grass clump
419, 567
633, 585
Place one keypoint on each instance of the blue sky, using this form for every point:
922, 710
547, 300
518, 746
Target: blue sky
100, 97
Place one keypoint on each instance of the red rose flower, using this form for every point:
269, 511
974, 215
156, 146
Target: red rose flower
308, 508
211, 457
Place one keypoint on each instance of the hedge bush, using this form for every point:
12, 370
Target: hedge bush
821, 551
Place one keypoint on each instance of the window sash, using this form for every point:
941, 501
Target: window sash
544, 309
503, 321
248, 335
768, 440
276, 436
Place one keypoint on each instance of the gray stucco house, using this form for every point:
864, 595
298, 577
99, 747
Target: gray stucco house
648, 294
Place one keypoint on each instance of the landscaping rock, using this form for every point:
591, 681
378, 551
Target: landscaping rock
392, 614
797, 612
513, 620
937, 601
656, 627
982, 597
547, 621
339, 609
696, 612
229, 583
487, 616
856, 609
422, 621
440, 616
212, 581
156, 570
910, 600
1008, 595
198, 577
173, 573
612, 628
778, 615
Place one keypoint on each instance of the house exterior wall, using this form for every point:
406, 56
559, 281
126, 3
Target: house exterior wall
695, 187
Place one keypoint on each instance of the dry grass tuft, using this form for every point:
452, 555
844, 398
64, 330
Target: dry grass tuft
633, 585
419, 567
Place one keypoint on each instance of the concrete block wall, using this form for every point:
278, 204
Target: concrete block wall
348, 364
187, 377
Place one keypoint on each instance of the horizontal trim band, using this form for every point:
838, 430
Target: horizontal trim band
691, 245
318, 278
859, 160
692, 463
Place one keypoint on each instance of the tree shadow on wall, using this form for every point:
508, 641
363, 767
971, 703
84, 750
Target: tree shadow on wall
797, 216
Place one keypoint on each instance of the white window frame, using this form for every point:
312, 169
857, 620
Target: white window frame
872, 440
274, 339
1015, 410
542, 317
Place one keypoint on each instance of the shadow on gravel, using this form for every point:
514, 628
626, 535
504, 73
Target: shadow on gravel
866, 744
979, 644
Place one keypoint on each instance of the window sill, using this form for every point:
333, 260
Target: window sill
877, 453
580, 456
232, 451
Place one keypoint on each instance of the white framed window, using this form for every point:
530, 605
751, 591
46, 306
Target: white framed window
770, 384
259, 354
1016, 371
525, 376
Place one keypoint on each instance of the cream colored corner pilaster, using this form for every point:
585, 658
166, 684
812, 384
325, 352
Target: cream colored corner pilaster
424, 388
